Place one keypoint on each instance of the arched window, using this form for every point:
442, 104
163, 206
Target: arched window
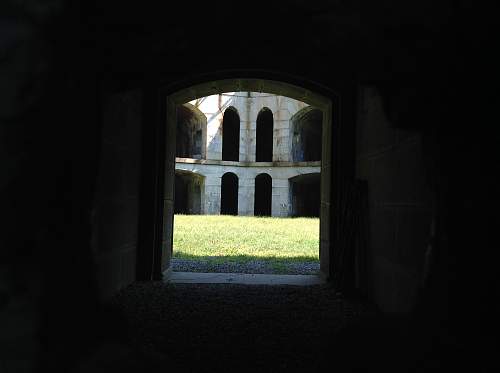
306, 135
264, 136
231, 135
229, 194
263, 195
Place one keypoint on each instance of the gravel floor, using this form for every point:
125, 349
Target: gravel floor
208, 327
254, 266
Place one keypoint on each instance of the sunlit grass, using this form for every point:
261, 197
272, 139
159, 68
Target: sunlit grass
244, 238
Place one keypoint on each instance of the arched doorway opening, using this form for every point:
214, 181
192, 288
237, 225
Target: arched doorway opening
264, 136
229, 194
188, 193
191, 92
306, 135
305, 195
231, 135
263, 195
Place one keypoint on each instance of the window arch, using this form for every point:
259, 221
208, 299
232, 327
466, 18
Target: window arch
264, 136
229, 194
231, 135
263, 195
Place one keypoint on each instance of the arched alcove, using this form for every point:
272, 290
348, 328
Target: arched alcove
229, 194
306, 135
263, 195
264, 136
188, 193
305, 195
231, 135
191, 132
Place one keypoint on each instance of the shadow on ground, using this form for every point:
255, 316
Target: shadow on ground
241, 328
246, 264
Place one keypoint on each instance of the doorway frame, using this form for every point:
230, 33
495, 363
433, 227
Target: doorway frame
180, 93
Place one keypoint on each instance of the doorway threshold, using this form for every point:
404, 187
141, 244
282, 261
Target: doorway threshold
242, 278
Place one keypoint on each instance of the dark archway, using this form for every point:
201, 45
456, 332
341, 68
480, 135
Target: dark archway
264, 136
231, 135
229, 194
305, 195
307, 135
188, 193
307, 92
263, 195
190, 135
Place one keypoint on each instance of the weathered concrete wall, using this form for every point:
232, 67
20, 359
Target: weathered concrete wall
399, 203
115, 211
248, 106
280, 173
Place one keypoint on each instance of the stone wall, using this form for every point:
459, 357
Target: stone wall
280, 172
116, 206
399, 204
248, 105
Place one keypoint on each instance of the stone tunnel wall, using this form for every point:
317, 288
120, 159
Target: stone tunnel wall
399, 204
116, 207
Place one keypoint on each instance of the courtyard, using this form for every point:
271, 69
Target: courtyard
245, 244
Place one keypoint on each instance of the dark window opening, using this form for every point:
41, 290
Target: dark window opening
264, 136
263, 195
231, 135
305, 195
229, 194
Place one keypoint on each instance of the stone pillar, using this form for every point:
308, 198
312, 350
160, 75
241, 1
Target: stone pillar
212, 194
246, 195
280, 201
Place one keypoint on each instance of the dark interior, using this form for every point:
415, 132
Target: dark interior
414, 196
231, 135
263, 195
264, 137
305, 196
229, 194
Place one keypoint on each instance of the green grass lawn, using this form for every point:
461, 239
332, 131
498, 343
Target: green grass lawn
245, 238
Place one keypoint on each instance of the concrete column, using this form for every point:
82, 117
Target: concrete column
214, 137
212, 194
279, 204
246, 195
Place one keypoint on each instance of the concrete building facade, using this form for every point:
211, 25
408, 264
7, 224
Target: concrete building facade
248, 153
